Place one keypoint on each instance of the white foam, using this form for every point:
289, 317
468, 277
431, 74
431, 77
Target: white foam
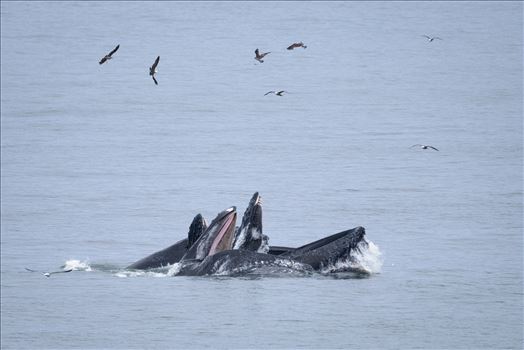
366, 259
369, 258
125, 274
77, 265
174, 269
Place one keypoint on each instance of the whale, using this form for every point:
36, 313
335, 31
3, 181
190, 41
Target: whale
249, 236
175, 252
328, 250
317, 256
223, 248
239, 262
249, 251
217, 237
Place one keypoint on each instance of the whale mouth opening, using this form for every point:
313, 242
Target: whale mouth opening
225, 233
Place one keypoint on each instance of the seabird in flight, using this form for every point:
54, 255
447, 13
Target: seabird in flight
295, 45
152, 70
424, 146
48, 274
430, 39
108, 56
279, 93
259, 56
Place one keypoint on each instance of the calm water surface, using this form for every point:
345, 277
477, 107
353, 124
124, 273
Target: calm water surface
101, 167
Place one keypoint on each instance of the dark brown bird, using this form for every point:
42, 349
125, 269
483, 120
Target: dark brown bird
424, 146
153, 71
295, 45
280, 93
108, 56
259, 56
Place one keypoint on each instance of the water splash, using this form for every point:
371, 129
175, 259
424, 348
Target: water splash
370, 258
147, 273
77, 265
366, 258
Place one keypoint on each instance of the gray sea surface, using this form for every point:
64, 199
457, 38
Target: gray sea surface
101, 167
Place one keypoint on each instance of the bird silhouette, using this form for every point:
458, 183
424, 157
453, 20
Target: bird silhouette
430, 39
108, 56
295, 45
153, 71
424, 146
259, 56
279, 93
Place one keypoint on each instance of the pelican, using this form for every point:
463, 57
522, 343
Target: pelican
279, 93
259, 56
108, 56
424, 146
295, 45
48, 274
430, 39
153, 71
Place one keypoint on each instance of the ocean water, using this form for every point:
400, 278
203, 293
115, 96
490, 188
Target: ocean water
100, 167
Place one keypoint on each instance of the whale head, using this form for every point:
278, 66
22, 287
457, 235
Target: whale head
249, 235
217, 237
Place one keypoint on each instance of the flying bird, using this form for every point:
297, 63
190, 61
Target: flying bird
424, 146
153, 71
295, 45
259, 56
279, 93
430, 39
108, 56
48, 274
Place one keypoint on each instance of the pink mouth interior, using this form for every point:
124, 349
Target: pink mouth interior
221, 234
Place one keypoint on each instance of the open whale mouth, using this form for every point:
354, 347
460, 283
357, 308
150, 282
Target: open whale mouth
217, 237
223, 239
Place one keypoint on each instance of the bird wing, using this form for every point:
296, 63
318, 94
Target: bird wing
280, 92
269, 92
425, 36
437, 38
433, 148
256, 53
418, 144
114, 50
156, 82
103, 60
30, 270
156, 63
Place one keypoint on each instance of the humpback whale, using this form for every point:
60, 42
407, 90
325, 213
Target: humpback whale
235, 262
249, 235
175, 252
217, 237
327, 251
248, 251
222, 249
